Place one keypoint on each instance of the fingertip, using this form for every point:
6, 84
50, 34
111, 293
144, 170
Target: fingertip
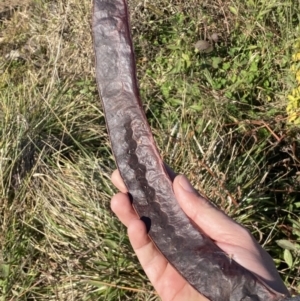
188, 198
118, 181
184, 184
121, 206
115, 203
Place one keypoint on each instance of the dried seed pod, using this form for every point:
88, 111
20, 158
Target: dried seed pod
192, 253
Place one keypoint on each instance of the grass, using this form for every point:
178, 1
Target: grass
293, 107
221, 118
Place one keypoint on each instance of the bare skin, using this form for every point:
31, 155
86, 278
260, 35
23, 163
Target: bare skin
232, 238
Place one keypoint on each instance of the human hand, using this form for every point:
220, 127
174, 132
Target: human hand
232, 238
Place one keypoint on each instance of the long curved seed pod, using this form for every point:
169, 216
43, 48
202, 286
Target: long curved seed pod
195, 256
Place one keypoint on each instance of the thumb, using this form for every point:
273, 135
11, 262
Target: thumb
212, 221
231, 237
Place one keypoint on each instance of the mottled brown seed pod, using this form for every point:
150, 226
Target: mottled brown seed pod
194, 255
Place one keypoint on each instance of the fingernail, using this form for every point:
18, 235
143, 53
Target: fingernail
185, 184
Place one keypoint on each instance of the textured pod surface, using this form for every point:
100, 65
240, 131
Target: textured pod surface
143, 172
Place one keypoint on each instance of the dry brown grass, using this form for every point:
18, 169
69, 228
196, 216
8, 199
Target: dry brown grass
10, 4
55, 163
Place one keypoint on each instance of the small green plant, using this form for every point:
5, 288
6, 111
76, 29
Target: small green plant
291, 252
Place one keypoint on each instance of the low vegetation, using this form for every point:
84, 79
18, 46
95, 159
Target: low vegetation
228, 118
